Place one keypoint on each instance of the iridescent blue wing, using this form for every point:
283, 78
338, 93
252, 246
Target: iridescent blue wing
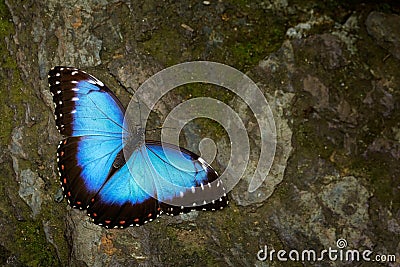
91, 118
186, 181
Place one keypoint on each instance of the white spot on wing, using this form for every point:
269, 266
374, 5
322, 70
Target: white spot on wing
74, 99
201, 160
203, 163
96, 82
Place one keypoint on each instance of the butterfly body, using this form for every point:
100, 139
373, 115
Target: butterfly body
110, 170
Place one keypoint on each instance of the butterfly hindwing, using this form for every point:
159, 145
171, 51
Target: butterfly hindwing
84, 163
186, 181
121, 201
129, 196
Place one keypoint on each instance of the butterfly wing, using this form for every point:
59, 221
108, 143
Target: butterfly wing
91, 117
186, 181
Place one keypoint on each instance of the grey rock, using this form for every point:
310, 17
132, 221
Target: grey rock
71, 24
318, 90
30, 190
384, 28
278, 102
133, 71
337, 210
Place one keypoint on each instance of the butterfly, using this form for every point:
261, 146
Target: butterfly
120, 189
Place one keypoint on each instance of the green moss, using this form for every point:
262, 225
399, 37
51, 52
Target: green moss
32, 241
5, 17
190, 243
165, 45
23, 237
13, 93
253, 43
25, 240
11, 85
6, 29
311, 137
381, 173
6, 122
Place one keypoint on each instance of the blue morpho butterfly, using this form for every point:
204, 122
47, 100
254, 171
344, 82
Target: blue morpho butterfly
94, 173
